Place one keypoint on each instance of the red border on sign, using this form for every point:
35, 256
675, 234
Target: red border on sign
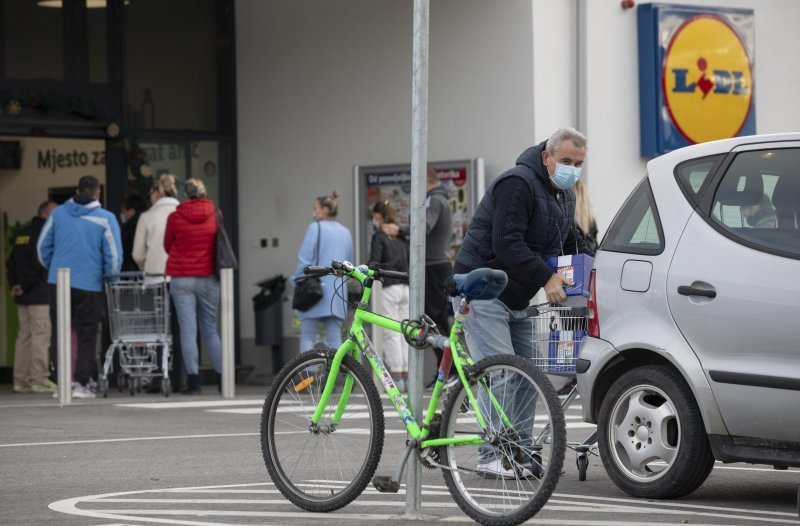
664, 76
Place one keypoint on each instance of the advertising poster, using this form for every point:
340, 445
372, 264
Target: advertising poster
393, 183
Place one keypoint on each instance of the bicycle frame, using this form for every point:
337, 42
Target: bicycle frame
358, 343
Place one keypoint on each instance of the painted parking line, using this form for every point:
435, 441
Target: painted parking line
232, 504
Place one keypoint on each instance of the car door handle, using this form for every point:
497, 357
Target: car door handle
686, 290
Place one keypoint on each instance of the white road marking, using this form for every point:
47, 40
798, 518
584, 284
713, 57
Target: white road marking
559, 503
131, 439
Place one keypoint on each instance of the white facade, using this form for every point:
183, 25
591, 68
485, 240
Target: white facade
323, 86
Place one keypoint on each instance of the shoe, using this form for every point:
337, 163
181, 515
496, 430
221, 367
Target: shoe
567, 389
92, 385
19, 388
82, 391
47, 387
494, 470
193, 385
453, 381
400, 383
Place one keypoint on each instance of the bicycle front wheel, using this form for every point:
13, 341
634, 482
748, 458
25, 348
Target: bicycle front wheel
322, 467
506, 480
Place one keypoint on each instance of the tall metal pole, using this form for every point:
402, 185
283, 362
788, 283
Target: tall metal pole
226, 313
419, 159
64, 333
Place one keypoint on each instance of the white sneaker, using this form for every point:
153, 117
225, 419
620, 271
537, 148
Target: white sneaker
82, 391
494, 470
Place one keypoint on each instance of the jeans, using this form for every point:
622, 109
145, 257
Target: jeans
87, 313
308, 332
490, 329
196, 301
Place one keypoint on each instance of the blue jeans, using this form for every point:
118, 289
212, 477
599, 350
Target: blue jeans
308, 332
490, 329
196, 301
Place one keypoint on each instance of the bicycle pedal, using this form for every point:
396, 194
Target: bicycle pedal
385, 484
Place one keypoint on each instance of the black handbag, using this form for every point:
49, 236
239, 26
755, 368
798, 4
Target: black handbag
308, 291
226, 258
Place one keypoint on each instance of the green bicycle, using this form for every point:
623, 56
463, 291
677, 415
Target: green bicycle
499, 441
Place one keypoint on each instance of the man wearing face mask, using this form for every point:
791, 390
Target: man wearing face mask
526, 215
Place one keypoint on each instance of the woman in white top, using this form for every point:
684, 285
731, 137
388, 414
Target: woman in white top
149, 254
148, 244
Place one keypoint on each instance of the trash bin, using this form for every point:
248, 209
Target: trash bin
268, 309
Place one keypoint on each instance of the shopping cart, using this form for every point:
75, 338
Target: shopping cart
557, 335
139, 322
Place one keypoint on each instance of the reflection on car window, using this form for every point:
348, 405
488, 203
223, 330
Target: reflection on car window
693, 175
758, 199
637, 228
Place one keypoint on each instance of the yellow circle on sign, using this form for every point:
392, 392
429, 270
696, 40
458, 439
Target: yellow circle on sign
707, 80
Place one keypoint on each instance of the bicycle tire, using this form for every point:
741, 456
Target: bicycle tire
319, 487
483, 493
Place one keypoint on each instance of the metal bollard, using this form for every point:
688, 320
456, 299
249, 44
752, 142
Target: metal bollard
64, 328
226, 313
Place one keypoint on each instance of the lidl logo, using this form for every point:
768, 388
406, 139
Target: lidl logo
707, 80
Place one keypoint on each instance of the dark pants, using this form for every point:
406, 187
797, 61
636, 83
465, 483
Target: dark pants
176, 375
436, 300
87, 313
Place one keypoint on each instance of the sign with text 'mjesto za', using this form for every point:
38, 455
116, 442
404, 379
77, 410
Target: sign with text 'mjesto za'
695, 75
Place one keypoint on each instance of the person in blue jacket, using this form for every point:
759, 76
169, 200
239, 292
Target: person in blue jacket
84, 237
335, 242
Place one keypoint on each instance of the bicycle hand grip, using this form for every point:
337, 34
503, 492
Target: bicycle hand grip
313, 270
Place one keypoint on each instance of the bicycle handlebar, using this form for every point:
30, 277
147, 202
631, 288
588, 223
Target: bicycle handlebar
345, 267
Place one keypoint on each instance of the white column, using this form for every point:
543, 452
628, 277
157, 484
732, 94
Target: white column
64, 332
226, 313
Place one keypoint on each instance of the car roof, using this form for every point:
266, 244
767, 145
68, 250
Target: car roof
721, 146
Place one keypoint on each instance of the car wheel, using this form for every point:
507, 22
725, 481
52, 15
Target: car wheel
651, 435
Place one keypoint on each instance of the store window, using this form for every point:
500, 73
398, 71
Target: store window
171, 57
32, 40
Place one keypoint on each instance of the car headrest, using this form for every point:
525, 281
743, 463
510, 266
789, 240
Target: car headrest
787, 192
750, 194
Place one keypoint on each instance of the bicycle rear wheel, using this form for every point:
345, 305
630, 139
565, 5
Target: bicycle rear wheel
323, 467
508, 480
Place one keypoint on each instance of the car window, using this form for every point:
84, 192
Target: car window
693, 176
758, 200
637, 227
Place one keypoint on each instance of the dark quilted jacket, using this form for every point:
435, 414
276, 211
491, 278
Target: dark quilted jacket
190, 239
546, 222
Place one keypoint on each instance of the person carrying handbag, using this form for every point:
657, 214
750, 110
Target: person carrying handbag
190, 242
325, 240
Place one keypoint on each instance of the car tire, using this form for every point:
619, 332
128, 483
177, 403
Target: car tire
651, 436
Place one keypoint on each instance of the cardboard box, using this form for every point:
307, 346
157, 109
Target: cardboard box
576, 267
563, 350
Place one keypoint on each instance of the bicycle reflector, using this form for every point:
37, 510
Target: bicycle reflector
302, 385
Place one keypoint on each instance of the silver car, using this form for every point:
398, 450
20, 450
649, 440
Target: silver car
693, 353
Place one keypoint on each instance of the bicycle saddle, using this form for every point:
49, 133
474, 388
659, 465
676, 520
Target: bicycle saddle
479, 284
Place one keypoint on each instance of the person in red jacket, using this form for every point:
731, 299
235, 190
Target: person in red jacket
189, 241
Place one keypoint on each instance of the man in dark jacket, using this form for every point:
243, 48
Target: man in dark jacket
526, 215
28, 280
132, 208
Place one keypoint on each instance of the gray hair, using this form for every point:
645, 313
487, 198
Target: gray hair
563, 134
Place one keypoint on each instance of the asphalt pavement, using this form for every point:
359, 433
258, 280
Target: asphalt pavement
197, 461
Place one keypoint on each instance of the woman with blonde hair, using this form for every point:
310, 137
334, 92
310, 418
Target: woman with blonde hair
190, 242
584, 217
150, 256
325, 240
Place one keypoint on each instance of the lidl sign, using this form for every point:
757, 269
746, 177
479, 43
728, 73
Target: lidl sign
695, 75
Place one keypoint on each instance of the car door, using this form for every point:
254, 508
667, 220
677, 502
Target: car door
734, 291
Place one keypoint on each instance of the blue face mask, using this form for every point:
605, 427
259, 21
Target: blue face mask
565, 176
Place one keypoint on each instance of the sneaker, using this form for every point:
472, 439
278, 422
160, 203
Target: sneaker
19, 388
92, 385
494, 470
48, 387
82, 391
